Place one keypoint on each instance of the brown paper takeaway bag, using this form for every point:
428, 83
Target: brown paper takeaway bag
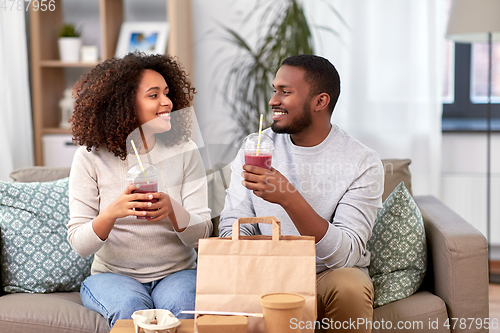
233, 273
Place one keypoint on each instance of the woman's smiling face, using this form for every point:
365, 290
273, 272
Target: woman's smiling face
153, 102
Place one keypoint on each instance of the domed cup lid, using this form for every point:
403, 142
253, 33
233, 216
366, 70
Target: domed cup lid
282, 301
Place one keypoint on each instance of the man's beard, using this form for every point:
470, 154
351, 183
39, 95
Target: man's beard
303, 121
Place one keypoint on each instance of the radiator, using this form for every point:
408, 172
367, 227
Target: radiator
466, 194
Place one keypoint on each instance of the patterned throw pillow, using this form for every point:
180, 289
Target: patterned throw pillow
398, 248
35, 254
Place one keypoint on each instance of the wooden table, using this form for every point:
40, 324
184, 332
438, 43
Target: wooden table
127, 326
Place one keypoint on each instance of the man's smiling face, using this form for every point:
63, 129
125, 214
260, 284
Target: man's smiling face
291, 102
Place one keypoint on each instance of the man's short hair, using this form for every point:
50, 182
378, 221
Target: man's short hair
321, 75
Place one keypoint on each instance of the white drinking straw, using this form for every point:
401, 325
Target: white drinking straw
260, 134
224, 313
139, 159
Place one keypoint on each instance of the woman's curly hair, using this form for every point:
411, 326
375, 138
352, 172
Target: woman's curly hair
105, 108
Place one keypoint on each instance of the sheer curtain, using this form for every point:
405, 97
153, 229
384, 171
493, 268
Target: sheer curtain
16, 133
389, 54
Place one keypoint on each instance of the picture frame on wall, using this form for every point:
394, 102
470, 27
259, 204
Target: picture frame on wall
147, 37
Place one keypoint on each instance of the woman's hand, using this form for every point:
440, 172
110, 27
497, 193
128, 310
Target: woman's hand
125, 204
160, 208
154, 206
129, 203
167, 207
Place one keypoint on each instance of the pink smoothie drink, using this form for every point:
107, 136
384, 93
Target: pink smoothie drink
146, 188
261, 160
258, 150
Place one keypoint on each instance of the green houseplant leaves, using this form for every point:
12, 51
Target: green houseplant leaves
284, 31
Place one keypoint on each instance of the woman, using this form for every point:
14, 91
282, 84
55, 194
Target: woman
138, 264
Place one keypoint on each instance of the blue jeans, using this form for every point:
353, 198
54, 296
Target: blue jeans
117, 296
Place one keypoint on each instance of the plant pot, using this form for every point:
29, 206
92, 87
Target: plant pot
69, 49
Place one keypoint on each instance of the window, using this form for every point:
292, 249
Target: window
465, 91
479, 76
465, 105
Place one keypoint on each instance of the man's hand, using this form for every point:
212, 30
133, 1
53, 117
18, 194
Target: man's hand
273, 187
269, 185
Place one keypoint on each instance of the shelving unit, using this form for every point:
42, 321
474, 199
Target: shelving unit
48, 73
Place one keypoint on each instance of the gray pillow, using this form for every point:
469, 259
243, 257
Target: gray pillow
39, 174
398, 248
35, 254
395, 172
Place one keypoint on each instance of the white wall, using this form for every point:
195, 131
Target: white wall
464, 179
85, 15
463, 182
211, 51
214, 118
463, 155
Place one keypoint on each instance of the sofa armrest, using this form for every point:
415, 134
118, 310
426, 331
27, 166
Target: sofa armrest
458, 253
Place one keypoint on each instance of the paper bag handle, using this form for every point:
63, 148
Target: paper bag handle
264, 219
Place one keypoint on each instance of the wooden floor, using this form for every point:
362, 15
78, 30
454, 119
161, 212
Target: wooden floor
495, 305
495, 296
494, 267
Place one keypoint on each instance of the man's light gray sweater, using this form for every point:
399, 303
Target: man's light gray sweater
340, 178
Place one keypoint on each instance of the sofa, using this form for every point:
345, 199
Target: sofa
455, 288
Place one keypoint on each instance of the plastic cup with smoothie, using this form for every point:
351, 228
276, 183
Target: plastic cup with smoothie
146, 178
260, 155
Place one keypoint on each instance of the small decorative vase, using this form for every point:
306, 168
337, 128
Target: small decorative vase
69, 49
67, 104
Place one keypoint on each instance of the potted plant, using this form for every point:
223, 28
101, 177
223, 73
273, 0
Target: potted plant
284, 31
69, 43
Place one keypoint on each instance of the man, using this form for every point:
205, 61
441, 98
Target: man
323, 183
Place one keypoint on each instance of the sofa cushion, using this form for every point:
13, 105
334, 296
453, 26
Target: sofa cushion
395, 172
420, 312
39, 174
398, 248
35, 254
49, 313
